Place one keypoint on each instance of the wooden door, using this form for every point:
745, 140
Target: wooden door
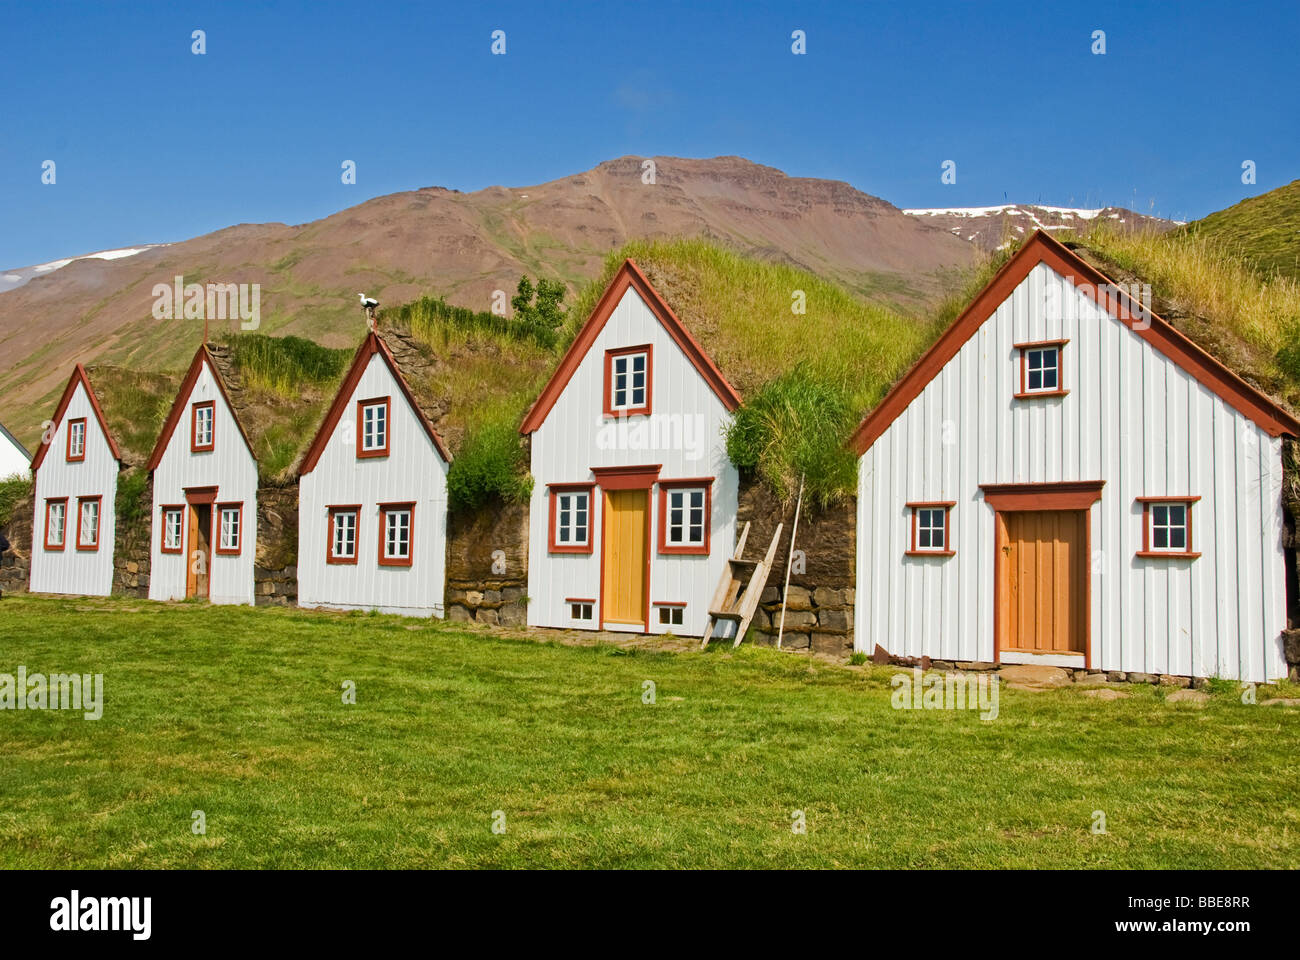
199, 551
1044, 581
623, 554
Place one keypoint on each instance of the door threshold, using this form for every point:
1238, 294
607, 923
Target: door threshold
1019, 657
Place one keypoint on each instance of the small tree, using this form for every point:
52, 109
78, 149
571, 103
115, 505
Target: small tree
546, 313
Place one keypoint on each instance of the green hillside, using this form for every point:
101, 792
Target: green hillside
1263, 230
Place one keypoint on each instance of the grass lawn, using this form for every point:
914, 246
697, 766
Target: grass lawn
239, 713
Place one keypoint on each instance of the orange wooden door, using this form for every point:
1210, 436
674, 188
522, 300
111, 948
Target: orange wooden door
1044, 581
199, 553
623, 553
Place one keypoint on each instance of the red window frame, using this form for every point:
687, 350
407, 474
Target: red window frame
167, 508
946, 506
581, 601
685, 549
99, 523
553, 491
610, 411
670, 607
70, 457
355, 509
1024, 392
50, 501
1147, 550
384, 510
362, 453
218, 510
195, 446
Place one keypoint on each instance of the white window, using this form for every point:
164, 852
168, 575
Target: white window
397, 535
628, 381
930, 528
1042, 369
1169, 527
580, 609
230, 517
344, 546
670, 616
55, 523
76, 439
88, 525
203, 425
172, 530
686, 519
571, 518
374, 426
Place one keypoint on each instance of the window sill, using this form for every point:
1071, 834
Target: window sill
1034, 394
395, 562
555, 548
371, 454
1167, 555
84, 549
929, 553
342, 561
698, 551
626, 414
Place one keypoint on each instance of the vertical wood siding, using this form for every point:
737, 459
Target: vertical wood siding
233, 471
13, 461
569, 443
71, 570
1132, 418
413, 471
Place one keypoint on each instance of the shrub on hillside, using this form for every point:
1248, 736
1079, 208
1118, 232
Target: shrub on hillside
797, 426
490, 465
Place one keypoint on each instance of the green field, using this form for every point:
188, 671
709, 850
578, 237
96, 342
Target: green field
239, 713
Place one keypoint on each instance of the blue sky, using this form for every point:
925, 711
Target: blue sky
154, 143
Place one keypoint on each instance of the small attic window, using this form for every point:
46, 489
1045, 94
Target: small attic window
202, 426
373, 418
77, 440
627, 381
1041, 369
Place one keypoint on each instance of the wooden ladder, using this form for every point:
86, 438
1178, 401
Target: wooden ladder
740, 588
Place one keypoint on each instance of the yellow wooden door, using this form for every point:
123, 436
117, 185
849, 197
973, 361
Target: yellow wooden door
624, 546
1045, 581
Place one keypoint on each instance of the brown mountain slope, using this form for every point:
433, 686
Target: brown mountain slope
462, 246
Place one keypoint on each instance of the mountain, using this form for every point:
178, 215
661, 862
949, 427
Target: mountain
14, 278
1264, 229
464, 246
992, 227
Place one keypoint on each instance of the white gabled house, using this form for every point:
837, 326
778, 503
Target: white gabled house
76, 468
14, 458
633, 511
1065, 479
204, 495
372, 497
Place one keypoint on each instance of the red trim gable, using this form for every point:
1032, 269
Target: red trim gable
181, 405
373, 344
79, 375
1042, 248
629, 275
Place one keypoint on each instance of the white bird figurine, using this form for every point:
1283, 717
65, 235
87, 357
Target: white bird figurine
369, 304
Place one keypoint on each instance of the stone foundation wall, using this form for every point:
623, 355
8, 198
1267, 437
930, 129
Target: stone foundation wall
487, 564
819, 603
16, 563
275, 569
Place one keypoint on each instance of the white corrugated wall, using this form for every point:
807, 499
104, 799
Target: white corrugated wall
1132, 418
569, 443
229, 467
413, 471
70, 570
